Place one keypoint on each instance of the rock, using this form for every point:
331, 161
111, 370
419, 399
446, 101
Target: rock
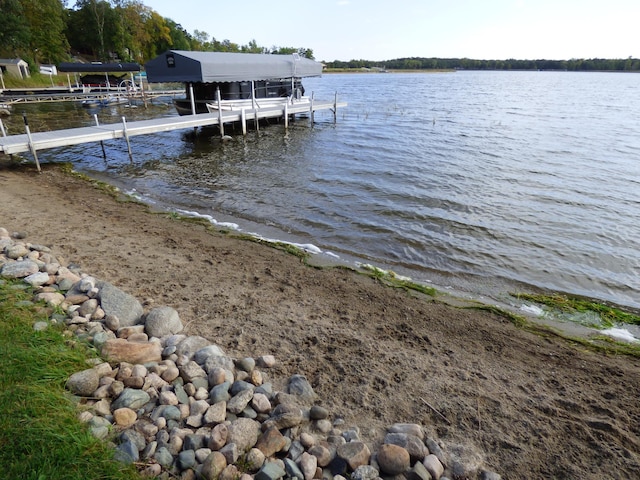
124, 417
88, 307
365, 472
131, 398
246, 364
408, 428
162, 321
419, 472
240, 401
190, 345
486, 475
260, 403
127, 453
50, 298
254, 459
121, 350
293, 471
16, 251
433, 466
203, 354
218, 437
216, 413
308, 464
84, 383
186, 459
230, 452
271, 442
322, 453
37, 279
213, 466
112, 322
116, 302
392, 459
163, 457
191, 370
318, 413
266, 361
19, 269
244, 433
300, 386
270, 471
355, 454
412, 444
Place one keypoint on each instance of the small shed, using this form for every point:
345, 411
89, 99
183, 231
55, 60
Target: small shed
14, 66
212, 67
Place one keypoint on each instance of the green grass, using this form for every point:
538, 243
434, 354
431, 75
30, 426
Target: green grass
40, 435
609, 316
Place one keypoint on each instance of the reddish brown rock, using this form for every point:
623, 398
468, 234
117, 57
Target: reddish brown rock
120, 350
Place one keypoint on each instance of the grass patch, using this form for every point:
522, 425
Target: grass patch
390, 278
609, 316
40, 435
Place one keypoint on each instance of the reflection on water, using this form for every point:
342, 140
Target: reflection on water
480, 180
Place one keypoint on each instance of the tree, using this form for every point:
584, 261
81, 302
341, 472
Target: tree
14, 28
46, 20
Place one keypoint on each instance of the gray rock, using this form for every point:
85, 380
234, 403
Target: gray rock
193, 442
181, 394
365, 472
246, 364
186, 459
171, 412
203, 354
244, 433
216, 413
300, 386
40, 326
230, 452
124, 306
270, 471
37, 279
133, 436
412, 444
127, 453
318, 413
162, 321
221, 361
486, 475
84, 383
16, 251
190, 345
163, 457
131, 398
220, 393
19, 269
292, 469
191, 370
433, 466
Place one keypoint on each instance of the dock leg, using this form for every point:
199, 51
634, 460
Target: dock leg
286, 116
32, 147
126, 137
104, 153
220, 122
4, 132
243, 118
335, 108
311, 108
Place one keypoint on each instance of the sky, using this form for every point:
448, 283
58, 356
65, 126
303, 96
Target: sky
389, 29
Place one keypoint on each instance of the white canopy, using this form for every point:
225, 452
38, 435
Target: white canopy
212, 67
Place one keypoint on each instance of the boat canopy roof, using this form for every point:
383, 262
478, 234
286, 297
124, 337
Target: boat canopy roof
212, 67
96, 67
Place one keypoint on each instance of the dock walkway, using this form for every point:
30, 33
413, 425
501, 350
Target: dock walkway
44, 140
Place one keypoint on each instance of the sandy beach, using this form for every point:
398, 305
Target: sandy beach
517, 403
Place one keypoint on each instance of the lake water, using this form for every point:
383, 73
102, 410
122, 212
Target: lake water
483, 182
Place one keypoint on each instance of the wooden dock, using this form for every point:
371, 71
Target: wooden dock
32, 142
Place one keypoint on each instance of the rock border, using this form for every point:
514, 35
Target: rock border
183, 408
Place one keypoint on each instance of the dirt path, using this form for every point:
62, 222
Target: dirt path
523, 405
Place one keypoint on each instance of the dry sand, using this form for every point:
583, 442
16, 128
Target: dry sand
520, 404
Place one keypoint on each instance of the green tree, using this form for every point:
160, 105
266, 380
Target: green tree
46, 19
14, 28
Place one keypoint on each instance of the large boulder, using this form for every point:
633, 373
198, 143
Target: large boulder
124, 306
162, 321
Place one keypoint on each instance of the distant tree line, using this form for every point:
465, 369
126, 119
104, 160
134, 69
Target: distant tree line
47, 31
418, 63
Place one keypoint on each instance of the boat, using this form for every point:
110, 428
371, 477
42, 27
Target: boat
232, 81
